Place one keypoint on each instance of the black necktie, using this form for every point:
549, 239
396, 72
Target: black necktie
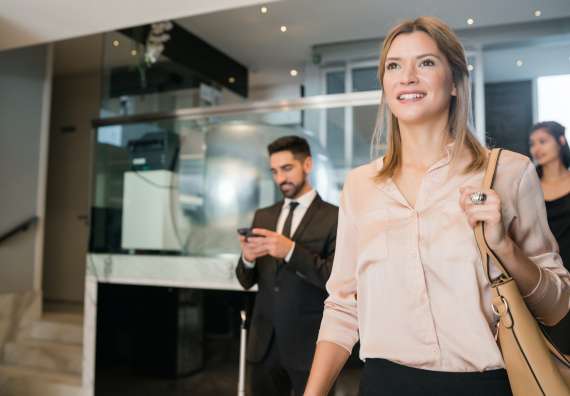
289, 221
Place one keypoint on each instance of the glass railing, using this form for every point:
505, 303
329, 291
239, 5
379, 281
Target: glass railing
182, 182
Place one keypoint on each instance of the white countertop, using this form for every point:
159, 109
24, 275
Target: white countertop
169, 271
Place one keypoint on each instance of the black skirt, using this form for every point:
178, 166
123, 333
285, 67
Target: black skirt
384, 378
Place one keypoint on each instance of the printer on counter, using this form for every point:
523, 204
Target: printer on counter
154, 150
152, 219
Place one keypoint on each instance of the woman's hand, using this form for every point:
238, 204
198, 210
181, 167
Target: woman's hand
489, 212
329, 359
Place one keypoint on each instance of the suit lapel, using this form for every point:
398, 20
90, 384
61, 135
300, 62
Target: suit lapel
274, 216
311, 211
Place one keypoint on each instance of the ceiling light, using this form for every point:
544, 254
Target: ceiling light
283, 28
134, 52
470, 21
116, 43
470, 67
537, 13
519, 62
232, 80
264, 10
293, 72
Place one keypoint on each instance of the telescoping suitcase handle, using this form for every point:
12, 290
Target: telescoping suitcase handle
242, 349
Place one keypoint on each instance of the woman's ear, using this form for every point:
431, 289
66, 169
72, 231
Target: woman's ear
562, 140
454, 90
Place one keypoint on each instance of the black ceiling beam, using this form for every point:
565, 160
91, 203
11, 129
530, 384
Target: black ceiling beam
161, 77
200, 57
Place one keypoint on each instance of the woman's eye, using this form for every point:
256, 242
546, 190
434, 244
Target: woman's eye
427, 62
392, 66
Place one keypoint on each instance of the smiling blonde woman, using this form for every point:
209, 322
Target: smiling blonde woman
407, 279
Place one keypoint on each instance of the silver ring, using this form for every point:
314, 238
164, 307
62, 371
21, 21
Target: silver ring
496, 310
478, 198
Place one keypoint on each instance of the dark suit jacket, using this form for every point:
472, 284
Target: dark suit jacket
289, 302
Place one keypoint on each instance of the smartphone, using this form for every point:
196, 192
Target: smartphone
247, 232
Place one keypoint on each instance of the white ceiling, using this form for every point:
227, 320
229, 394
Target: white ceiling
256, 41
29, 22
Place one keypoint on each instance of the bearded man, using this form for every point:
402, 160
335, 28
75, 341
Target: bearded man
289, 255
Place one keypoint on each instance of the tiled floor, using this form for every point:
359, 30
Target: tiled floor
218, 378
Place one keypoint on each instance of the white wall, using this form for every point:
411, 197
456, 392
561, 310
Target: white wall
25, 81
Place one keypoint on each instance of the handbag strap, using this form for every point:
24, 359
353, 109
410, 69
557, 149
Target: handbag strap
486, 252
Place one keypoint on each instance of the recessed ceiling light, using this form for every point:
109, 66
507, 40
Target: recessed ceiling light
470, 21
264, 10
116, 43
470, 67
537, 13
283, 28
293, 72
134, 52
519, 62
232, 80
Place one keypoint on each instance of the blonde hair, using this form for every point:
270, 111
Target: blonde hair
460, 106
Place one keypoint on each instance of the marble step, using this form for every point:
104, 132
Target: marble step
46, 355
66, 329
22, 381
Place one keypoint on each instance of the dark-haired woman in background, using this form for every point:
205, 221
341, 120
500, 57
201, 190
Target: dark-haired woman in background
549, 149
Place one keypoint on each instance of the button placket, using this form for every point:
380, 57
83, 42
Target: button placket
423, 295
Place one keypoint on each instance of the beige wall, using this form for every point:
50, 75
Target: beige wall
76, 101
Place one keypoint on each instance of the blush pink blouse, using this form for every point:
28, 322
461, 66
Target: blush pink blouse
408, 281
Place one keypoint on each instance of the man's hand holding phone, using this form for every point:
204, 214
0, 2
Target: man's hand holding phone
250, 246
259, 242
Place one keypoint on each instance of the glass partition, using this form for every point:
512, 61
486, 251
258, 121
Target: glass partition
140, 79
183, 183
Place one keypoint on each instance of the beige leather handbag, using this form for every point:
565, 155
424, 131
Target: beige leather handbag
534, 365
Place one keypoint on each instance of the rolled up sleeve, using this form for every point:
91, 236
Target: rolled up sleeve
340, 318
550, 299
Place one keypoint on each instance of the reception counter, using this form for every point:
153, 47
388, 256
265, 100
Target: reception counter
214, 273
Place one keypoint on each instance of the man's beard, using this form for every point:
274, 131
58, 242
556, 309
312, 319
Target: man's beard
294, 191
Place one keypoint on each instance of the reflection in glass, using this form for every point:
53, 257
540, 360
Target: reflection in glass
364, 119
133, 85
236, 181
221, 177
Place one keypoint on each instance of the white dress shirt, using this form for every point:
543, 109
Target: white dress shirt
304, 201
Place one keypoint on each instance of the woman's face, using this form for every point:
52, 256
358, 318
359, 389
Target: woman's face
417, 80
543, 147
